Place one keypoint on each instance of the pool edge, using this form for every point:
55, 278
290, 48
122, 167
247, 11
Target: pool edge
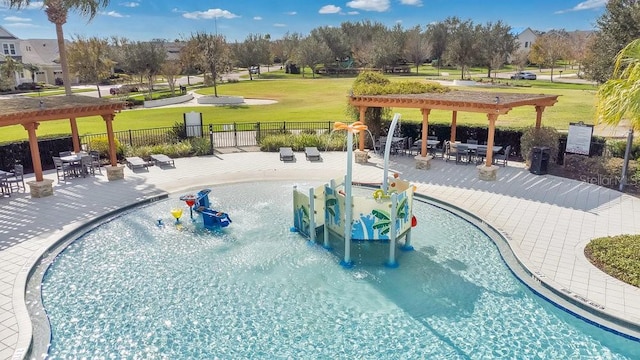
562, 298
24, 344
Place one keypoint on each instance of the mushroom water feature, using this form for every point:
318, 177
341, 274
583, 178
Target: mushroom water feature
351, 129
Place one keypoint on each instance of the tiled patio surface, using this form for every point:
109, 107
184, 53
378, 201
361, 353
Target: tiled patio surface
548, 220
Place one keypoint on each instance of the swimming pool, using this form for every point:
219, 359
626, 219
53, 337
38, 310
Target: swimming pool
130, 289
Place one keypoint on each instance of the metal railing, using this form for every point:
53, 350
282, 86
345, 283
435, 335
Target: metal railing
224, 135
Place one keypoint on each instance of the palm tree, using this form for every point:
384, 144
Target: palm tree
57, 11
620, 96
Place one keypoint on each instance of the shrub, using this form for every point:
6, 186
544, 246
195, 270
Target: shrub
544, 136
618, 256
324, 142
101, 144
617, 148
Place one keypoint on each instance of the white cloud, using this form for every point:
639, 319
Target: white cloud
280, 25
411, 2
329, 9
21, 25
291, 13
112, 14
16, 19
210, 14
131, 4
257, 18
585, 5
369, 5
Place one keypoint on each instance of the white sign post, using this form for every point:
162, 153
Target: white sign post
579, 138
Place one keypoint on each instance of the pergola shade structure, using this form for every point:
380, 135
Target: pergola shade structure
491, 103
30, 112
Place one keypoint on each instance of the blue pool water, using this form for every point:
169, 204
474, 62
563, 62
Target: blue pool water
130, 289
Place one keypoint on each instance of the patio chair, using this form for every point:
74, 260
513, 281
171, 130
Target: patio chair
162, 159
286, 154
502, 158
63, 170
95, 161
85, 167
134, 162
312, 153
17, 180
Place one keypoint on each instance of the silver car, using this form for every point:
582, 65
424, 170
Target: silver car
524, 75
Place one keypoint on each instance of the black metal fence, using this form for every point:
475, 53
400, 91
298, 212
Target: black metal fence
225, 135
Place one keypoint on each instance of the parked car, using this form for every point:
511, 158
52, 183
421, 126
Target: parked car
525, 75
255, 69
123, 89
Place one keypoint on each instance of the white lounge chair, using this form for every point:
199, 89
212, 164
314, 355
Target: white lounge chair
312, 153
286, 154
135, 162
162, 159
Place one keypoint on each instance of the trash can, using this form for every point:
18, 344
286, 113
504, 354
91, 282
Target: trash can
540, 160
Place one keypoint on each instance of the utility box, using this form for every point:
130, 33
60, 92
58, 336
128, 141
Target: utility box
540, 160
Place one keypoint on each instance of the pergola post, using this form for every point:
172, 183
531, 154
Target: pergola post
113, 158
114, 172
35, 149
454, 118
41, 187
361, 137
75, 138
425, 131
488, 171
539, 110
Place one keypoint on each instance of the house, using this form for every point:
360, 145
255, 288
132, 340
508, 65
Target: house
526, 38
43, 54
10, 46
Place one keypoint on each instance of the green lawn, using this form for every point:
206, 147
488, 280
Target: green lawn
325, 99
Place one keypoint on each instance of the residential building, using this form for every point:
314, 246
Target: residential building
43, 54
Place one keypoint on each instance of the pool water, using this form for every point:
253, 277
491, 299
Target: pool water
130, 289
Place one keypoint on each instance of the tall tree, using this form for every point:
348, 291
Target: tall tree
618, 26
254, 50
335, 39
495, 43
462, 45
145, 59
215, 55
170, 69
549, 48
312, 52
284, 48
620, 96
89, 60
8, 72
190, 59
57, 11
438, 35
417, 46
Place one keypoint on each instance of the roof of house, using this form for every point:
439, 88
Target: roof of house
5, 34
40, 51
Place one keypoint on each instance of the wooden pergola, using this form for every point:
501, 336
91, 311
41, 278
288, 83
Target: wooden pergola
491, 103
30, 112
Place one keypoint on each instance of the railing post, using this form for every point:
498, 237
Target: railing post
130, 139
258, 134
235, 135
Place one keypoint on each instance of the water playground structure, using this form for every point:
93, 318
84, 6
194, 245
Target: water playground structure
199, 203
385, 215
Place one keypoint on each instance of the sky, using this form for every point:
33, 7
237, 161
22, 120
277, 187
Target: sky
142, 20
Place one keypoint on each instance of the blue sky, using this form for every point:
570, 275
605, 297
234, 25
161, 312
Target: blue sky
235, 19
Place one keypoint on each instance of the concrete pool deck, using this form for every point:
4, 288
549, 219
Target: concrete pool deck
547, 220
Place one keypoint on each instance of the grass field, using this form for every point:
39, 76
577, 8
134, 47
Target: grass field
325, 99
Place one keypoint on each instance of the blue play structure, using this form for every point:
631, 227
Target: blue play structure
199, 203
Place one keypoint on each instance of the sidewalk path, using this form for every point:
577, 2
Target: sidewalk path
547, 220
